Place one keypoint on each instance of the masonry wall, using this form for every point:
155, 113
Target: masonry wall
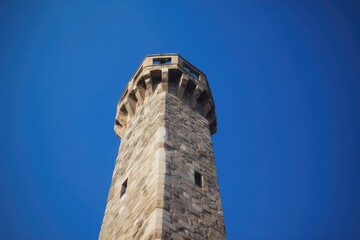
141, 160
164, 144
190, 211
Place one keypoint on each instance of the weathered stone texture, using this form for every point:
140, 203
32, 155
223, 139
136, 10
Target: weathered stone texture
194, 212
165, 118
137, 214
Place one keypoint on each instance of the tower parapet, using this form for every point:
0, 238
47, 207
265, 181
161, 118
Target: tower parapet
170, 73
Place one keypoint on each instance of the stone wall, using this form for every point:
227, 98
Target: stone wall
141, 160
191, 211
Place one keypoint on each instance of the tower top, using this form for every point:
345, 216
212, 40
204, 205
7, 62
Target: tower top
186, 81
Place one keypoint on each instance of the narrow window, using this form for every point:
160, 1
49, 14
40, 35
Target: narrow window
123, 188
198, 179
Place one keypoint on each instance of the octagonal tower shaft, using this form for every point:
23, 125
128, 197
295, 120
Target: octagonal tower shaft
164, 184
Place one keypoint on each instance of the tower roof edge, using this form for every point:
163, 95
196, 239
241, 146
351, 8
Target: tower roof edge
156, 68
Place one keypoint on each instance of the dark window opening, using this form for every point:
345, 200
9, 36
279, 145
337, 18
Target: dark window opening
123, 188
191, 71
157, 61
198, 179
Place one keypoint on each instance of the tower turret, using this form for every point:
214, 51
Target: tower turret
164, 184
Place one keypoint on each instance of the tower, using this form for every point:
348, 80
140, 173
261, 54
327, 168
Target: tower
164, 185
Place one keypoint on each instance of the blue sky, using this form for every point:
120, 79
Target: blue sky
285, 76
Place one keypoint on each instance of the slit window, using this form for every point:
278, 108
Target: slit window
123, 188
198, 179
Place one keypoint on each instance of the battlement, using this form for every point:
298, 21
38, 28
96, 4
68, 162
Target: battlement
170, 73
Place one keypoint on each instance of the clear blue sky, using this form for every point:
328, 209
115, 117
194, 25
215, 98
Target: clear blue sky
285, 76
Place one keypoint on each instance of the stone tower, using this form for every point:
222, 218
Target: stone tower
164, 184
